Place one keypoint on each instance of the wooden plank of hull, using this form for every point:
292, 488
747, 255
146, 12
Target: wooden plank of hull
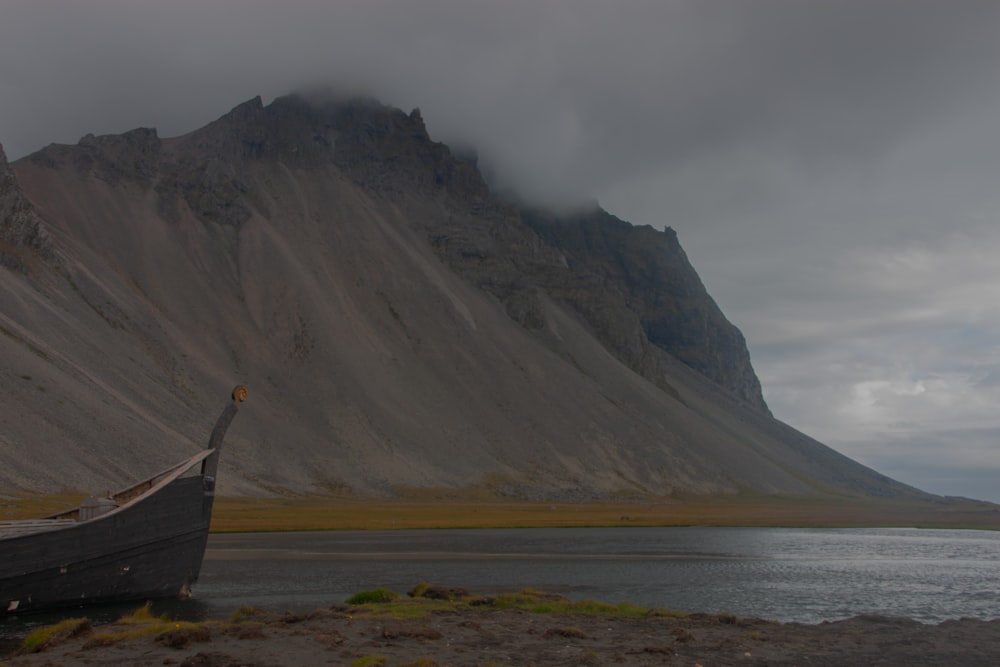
29, 527
152, 548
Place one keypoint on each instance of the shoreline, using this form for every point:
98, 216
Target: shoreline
441, 627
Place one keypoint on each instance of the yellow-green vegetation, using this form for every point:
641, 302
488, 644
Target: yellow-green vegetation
420, 590
247, 622
50, 635
369, 661
478, 509
539, 602
139, 623
426, 599
379, 595
143, 616
157, 628
142, 623
243, 613
336, 513
384, 602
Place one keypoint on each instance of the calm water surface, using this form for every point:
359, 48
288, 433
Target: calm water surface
783, 574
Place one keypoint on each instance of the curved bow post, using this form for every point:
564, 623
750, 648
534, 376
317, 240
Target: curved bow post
210, 466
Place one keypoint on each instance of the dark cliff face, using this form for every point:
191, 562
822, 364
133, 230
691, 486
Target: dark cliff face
648, 272
398, 325
633, 285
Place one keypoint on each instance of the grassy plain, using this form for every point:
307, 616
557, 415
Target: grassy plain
329, 513
322, 512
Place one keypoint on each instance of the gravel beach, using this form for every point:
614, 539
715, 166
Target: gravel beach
476, 632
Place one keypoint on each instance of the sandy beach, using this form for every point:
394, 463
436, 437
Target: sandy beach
472, 630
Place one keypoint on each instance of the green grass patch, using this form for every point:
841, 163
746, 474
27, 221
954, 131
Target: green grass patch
43, 638
142, 616
157, 628
377, 596
386, 603
477, 509
420, 589
319, 512
369, 661
142, 623
540, 602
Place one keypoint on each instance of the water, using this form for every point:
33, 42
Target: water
804, 575
783, 574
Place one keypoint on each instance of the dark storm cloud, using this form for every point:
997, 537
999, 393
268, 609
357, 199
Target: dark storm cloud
829, 165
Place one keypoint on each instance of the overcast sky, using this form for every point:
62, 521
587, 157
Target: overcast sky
832, 167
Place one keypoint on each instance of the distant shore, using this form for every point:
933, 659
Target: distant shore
455, 628
449, 509
327, 513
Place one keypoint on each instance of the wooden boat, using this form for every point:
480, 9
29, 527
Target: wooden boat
141, 543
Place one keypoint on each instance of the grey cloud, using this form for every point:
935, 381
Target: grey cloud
589, 92
933, 462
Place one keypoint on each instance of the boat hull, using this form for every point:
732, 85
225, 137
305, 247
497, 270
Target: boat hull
152, 548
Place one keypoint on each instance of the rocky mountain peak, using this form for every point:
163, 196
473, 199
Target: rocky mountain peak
378, 147
400, 326
132, 156
303, 130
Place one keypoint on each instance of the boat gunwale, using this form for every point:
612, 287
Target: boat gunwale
155, 482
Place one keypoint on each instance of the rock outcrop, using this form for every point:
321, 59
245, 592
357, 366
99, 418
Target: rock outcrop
21, 230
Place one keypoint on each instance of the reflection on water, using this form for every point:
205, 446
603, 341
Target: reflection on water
782, 574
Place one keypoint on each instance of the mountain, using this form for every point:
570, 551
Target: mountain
399, 326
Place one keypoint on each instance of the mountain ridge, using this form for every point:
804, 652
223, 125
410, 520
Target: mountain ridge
399, 326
